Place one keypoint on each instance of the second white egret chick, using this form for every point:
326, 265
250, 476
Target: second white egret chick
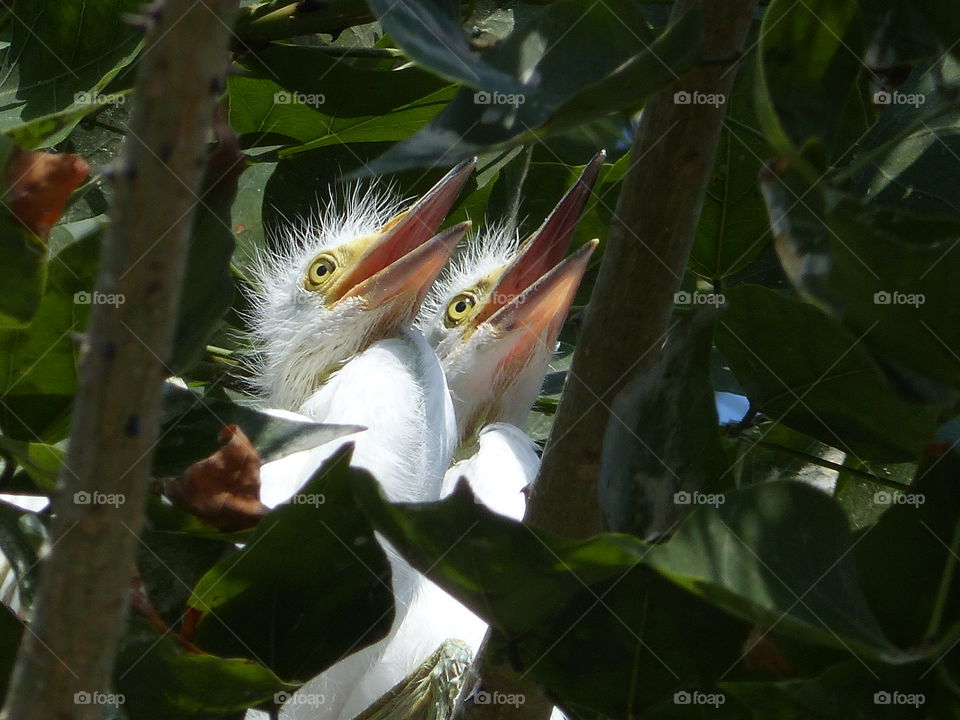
494, 319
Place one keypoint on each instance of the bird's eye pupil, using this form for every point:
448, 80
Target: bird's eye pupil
322, 270
462, 306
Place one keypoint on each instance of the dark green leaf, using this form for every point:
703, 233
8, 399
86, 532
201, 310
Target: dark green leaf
886, 273
23, 256
192, 422
38, 362
646, 466
207, 283
914, 545
160, 680
556, 601
301, 97
733, 227
626, 67
61, 56
804, 582
803, 370
809, 81
430, 33
909, 156
311, 585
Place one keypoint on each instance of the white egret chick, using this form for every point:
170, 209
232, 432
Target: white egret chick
494, 319
333, 329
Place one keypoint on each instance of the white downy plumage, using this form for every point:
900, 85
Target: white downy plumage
334, 345
493, 319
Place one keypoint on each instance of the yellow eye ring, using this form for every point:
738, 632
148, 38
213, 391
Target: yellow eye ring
459, 308
320, 272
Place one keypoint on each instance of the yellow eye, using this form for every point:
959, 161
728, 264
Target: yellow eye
459, 308
320, 272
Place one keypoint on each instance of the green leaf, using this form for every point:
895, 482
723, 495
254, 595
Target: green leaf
887, 274
733, 227
555, 601
845, 689
207, 284
23, 256
170, 564
557, 85
246, 215
804, 581
429, 31
300, 97
192, 422
626, 87
159, 680
61, 56
859, 482
803, 370
647, 465
38, 362
38, 132
42, 462
809, 78
311, 585
914, 545
907, 158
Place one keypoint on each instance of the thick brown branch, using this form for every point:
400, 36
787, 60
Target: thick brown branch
643, 263
83, 594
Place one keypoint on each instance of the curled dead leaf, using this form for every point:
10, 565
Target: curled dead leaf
39, 184
223, 490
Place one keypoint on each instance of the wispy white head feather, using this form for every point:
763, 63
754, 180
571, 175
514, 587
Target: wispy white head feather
343, 278
297, 340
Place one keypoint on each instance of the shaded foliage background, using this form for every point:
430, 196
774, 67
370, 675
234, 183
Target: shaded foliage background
827, 243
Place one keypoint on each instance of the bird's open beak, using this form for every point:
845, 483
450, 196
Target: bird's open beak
412, 275
545, 247
535, 316
403, 235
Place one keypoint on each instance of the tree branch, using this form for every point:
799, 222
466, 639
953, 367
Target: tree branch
83, 594
643, 263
